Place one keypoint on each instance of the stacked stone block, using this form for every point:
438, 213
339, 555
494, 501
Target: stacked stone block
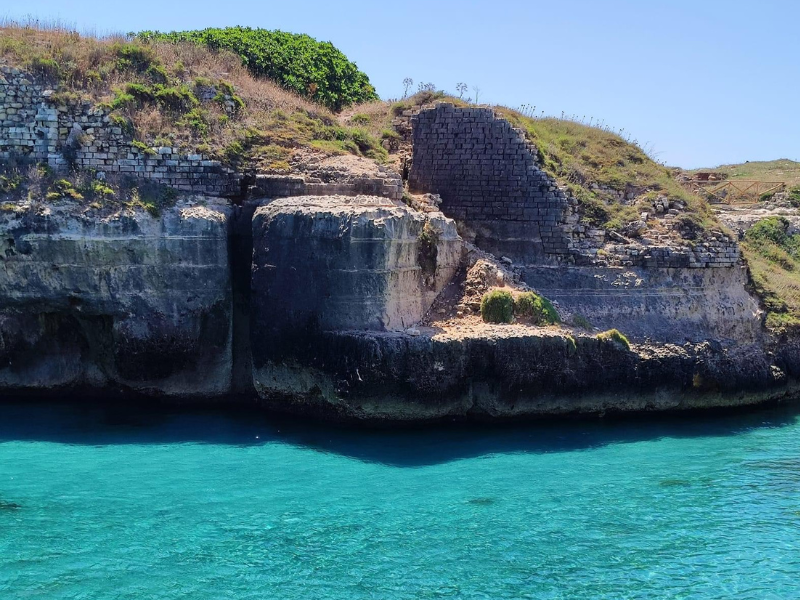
488, 177
34, 124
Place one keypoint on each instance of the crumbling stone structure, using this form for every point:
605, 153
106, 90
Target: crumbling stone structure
488, 177
36, 125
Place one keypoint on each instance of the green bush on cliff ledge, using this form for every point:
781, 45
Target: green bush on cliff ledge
614, 335
497, 306
536, 308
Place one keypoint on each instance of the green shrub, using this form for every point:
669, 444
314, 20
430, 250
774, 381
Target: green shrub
360, 119
133, 57
300, 63
614, 336
157, 73
141, 92
197, 120
234, 152
390, 134
539, 310
45, 67
227, 93
143, 148
178, 99
794, 197
9, 183
121, 100
97, 189
773, 230
497, 306
63, 188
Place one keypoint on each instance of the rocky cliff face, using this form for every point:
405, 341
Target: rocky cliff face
664, 305
512, 371
333, 263
329, 314
127, 300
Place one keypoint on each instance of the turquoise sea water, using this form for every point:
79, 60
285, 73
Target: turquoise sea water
98, 503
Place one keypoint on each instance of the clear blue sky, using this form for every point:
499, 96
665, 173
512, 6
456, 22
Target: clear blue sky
705, 82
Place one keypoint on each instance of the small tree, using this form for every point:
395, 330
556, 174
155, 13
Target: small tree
477, 91
461, 88
407, 83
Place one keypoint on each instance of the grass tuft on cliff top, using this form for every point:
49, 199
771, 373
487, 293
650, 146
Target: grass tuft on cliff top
169, 92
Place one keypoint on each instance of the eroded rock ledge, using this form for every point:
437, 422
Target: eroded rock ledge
509, 372
128, 300
340, 319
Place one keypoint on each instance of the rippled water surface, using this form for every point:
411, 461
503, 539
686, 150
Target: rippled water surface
98, 503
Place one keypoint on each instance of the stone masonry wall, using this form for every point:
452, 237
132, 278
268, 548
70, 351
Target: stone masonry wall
489, 178
34, 124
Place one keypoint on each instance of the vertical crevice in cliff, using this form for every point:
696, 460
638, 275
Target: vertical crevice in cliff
240, 253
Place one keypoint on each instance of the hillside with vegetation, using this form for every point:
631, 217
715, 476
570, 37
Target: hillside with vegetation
772, 250
185, 95
252, 98
256, 100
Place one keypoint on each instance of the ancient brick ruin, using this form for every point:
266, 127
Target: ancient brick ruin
490, 179
36, 125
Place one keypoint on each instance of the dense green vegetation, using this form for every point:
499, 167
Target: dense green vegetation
501, 306
615, 337
317, 70
497, 306
773, 254
536, 309
172, 94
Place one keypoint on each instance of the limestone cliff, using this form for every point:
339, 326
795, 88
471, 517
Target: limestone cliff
126, 300
365, 307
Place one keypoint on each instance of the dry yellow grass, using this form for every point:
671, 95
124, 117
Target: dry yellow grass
100, 70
